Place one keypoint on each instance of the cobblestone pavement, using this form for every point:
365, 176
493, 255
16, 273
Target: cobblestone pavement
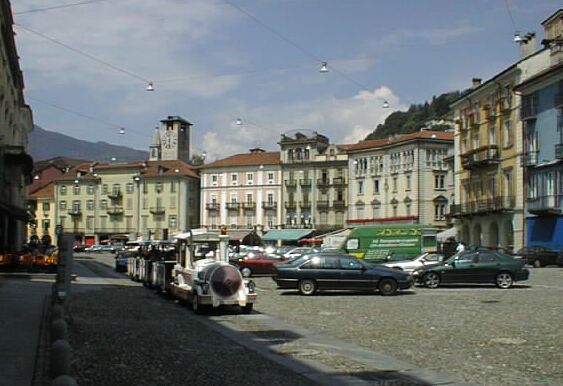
481, 334
126, 335
477, 334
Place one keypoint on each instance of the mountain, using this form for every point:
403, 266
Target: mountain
417, 117
44, 144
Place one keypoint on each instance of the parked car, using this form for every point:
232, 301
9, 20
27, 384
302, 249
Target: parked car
257, 263
122, 259
93, 248
78, 247
425, 259
325, 271
296, 252
480, 266
539, 256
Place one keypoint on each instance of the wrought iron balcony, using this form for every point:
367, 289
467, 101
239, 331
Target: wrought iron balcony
531, 158
305, 204
116, 210
157, 210
269, 204
528, 112
338, 204
322, 204
339, 181
305, 182
291, 183
232, 205
478, 158
115, 194
484, 206
290, 205
212, 206
249, 205
323, 182
75, 212
559, 151
551, 204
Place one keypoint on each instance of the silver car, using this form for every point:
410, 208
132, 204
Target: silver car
420, 261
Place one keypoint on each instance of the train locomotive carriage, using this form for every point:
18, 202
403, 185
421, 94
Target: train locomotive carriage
211, 281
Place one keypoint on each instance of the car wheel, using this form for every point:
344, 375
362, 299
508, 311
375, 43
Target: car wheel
247, 309
431, 280
504, 280
307, 287
387, 286
537, 264
246, 272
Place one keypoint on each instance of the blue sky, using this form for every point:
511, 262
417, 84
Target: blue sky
212, 63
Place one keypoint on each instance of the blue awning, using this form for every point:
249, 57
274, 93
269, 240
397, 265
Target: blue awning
286, 234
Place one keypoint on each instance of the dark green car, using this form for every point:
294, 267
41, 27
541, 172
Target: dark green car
481, 266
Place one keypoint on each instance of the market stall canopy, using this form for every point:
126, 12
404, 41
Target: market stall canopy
443, 236
286, 234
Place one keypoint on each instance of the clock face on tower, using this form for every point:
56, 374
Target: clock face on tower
169, 139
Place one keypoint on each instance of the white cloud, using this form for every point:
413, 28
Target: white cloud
344, 120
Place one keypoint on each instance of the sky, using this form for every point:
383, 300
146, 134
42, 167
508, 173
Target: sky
86, 66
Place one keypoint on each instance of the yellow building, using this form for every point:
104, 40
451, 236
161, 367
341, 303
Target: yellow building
151, 199
44, 204
489, 176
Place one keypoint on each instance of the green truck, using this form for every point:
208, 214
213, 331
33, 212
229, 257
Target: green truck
390, 242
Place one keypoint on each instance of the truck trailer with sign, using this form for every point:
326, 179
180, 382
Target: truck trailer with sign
390, 242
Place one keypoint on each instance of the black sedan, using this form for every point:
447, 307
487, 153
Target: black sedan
325, 271
480, 266
539, 256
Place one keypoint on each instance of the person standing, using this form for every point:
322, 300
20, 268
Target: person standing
460, 247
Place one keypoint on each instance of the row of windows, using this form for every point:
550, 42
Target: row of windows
105, 204
249, 197
108, 223
375, 211
234, 180
439, 184
116, 188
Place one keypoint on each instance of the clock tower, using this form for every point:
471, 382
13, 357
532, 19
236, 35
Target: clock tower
175, 138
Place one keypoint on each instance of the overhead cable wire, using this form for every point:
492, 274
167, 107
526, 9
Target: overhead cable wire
510, 14
57, 7
294, 44
82, 53
77, 113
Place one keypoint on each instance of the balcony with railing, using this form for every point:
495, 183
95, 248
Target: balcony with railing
305, 204
305, 182
323, 204
559, 151
339, 204
291, 183
272, 205
484, 206
232, 205
323, 182
483, 156
551, 204
115, 210
157, 210
531, 158
249, 205
528, 112
290, 205
339, 181
115, 194
212, 206
75, 212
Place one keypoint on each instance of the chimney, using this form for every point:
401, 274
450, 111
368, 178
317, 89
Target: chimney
475, 82
528, 45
